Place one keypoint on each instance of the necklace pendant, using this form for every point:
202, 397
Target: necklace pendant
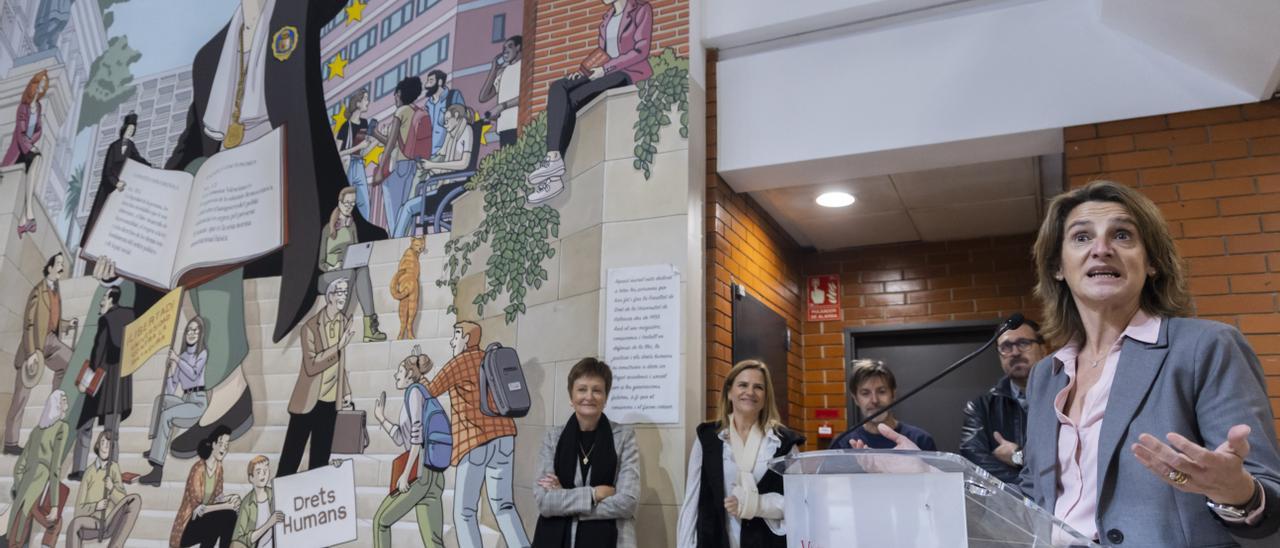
586, 461
234, 136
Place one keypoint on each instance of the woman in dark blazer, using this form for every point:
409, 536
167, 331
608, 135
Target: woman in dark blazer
1147, 428
589, 478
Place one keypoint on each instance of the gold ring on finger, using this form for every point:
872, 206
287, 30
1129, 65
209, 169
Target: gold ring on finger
1177, 477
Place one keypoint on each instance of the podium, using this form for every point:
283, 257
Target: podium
921, 499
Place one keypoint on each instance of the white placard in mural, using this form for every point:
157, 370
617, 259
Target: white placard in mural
642, 344
319, 506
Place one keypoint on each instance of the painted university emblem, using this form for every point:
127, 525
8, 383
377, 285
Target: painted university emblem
283, 42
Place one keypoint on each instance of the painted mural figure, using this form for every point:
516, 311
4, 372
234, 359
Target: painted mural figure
408, 139
206, 517
355, 139
503, 83
37, 493
51, 18
418, 487
439, 96
337, 237
119, 151
256, 74
40, 346
589, 484
24, 147
454, 155
257, 516
104, 510
183, 401
112, 401
621, 60
322, 383
483, 445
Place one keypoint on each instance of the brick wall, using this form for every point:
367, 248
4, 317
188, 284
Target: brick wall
980, 279
745, 246
560, 33
1216, 176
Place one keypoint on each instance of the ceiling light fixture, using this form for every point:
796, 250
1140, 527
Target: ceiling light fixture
835, 199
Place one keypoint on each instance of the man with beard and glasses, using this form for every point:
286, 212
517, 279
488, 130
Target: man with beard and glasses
995, 423
873, 388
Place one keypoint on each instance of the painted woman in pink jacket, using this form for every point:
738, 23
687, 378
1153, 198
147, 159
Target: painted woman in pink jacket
626, 32
26, 133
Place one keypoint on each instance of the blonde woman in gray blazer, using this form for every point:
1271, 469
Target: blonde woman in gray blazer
589, 471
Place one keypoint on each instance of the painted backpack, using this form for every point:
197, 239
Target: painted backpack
437, 436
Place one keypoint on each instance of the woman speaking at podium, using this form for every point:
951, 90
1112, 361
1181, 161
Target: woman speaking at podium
731, 498
1146, 428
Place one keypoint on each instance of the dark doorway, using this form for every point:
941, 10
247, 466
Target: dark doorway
917, 353
759, 333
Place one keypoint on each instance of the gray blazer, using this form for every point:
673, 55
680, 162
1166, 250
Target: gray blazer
1199, 379
577, 501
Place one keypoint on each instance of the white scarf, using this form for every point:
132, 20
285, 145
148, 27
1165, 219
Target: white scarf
222, 94
744, 455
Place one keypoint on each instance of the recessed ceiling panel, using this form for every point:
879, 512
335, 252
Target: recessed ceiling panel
963, 221
968, 184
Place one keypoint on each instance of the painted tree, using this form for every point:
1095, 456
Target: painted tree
75, 187
110, 81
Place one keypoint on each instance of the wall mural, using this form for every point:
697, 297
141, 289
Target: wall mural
257, 185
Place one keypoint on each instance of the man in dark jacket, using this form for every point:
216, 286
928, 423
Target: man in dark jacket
995, 423
110, 399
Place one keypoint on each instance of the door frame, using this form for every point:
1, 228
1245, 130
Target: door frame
851, 335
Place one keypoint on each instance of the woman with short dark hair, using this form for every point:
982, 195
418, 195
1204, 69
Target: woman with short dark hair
589, 479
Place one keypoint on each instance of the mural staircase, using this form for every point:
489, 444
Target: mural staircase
271, 370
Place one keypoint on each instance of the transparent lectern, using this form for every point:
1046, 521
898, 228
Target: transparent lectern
886, 498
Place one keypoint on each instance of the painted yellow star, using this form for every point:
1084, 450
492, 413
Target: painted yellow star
339, 118
337, 67
374, 155
355, 12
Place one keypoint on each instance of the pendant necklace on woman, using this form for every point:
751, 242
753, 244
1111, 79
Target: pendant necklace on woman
586, 454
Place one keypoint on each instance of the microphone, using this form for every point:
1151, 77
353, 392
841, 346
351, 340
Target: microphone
1015, 321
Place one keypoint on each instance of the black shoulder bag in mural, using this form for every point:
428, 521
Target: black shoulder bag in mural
554, 532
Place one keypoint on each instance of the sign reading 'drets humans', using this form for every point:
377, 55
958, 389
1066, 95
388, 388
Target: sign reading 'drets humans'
319, 507
642, 344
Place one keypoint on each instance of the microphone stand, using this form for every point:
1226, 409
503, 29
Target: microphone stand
1010, 324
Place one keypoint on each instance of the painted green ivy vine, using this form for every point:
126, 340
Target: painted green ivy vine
519, 236
668, 87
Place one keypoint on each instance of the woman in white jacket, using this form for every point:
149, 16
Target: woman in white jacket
732, 498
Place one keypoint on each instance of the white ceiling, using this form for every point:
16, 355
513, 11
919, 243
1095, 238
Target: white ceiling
971, 201
945, 117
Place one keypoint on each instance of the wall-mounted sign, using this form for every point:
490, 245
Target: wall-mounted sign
823, 298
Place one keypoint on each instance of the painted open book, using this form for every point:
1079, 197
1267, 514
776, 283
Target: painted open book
169, 228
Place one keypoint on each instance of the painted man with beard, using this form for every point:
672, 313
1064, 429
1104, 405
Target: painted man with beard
873, 387
260, 72
995, 423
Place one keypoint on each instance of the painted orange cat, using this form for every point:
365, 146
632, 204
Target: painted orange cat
406, 286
